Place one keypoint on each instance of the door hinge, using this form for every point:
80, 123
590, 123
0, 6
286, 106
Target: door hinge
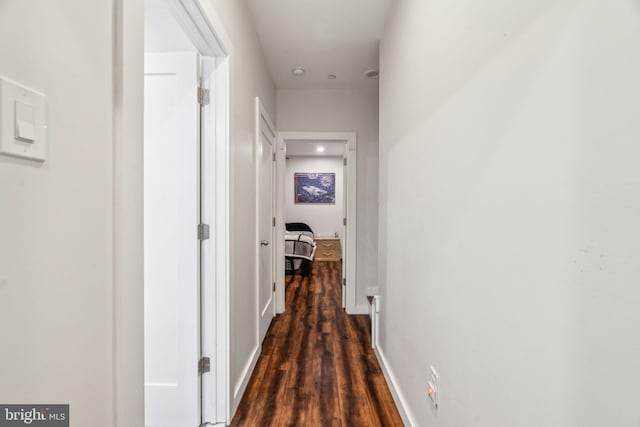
274, 156
203, 231
203, 96
274, 221
345, 161
204, 365
344, 282
274, 286
344, 221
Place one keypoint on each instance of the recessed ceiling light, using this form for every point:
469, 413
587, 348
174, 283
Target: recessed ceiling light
331, 76
372, 74
298, 71
320, 149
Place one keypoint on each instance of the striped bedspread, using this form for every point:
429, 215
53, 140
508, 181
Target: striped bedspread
299, 244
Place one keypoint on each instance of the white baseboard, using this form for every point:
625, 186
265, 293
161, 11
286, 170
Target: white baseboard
241, 385
398, 397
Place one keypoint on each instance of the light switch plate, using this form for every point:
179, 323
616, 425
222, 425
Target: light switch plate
23, 121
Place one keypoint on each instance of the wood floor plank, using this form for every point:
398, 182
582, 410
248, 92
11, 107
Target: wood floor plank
317, 367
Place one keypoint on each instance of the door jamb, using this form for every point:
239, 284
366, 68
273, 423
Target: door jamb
350, 138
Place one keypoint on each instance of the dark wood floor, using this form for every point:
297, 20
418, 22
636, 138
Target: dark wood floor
317, 367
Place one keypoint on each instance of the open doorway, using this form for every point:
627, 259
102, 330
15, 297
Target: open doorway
329, 159
314, 202
185, 201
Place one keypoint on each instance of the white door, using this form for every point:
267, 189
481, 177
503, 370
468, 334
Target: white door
172, 250
266, 287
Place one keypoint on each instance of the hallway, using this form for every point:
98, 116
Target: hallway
317, 366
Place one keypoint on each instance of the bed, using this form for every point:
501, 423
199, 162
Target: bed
299, 248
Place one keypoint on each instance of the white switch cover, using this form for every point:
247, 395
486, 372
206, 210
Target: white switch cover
23, 121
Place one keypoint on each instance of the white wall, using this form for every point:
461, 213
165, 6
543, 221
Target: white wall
324, 219
345, 110
56, 219
249, 78
509, 189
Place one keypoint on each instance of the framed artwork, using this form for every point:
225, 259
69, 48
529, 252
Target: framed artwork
318, 188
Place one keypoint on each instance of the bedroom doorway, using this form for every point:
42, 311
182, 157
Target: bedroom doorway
333, 222
185, 201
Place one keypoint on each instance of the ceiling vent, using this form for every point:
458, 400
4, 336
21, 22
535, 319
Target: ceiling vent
372, 74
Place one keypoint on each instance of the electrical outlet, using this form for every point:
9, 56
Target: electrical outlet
433, 386
432, 391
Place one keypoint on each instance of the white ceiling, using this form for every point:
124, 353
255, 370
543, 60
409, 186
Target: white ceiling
306, 148
325, 37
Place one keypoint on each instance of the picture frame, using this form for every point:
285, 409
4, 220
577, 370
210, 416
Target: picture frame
315, 188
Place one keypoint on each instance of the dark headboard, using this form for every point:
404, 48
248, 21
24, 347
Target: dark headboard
297, 226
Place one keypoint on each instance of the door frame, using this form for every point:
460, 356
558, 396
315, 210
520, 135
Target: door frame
204, 27
349, 269
260, 116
